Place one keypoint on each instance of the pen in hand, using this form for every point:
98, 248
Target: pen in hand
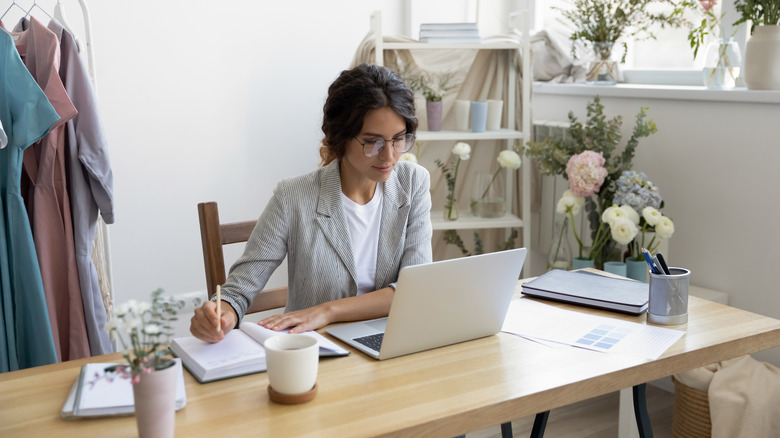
219, 309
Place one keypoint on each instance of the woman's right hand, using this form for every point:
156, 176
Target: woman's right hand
204, 323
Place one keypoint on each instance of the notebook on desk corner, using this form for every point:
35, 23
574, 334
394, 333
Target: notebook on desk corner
440, 303
589, 289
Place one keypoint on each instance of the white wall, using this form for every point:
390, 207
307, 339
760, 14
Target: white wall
210, 101
714, 163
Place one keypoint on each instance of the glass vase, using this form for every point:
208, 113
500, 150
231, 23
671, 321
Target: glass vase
487, 195
451, 211
722, 64
560, 249
602, 69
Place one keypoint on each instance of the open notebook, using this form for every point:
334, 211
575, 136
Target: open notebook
240, 353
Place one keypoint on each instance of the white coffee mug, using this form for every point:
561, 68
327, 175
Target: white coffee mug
292, 362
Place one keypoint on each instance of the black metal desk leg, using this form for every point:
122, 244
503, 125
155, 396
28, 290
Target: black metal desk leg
640, 412
506, 430
540, 423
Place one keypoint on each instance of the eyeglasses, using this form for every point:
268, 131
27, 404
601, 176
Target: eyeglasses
401, 144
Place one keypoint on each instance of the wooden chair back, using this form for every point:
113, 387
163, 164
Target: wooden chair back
213, 236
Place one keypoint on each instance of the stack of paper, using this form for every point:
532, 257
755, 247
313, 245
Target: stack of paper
449, 33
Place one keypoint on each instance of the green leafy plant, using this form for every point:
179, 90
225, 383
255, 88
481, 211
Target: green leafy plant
610, 21
144, 331
433, 86
758, 12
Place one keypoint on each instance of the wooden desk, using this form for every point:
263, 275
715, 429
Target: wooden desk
443, 392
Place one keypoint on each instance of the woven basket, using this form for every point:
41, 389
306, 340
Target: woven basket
691, 412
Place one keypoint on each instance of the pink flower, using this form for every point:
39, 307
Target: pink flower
708, 4
586, 173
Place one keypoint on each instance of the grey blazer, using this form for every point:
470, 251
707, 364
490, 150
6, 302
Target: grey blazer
305, 221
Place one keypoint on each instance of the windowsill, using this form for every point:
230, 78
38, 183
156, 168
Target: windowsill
666, 92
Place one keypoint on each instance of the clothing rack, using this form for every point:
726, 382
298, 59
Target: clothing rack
101, 245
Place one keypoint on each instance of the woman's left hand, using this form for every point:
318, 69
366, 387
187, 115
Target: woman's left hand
298, 321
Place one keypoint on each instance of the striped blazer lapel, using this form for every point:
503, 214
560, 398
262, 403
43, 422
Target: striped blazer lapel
395, 210
331, 217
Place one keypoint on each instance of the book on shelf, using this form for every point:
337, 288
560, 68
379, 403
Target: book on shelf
448, 26
451, 40
449, 33
240, 353
98, 392
590, 289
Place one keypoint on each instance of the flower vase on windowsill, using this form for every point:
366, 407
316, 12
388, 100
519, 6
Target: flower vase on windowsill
602, 69
722, 64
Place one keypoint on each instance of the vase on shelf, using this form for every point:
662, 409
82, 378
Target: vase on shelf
602, 69
155, 402
433, 113
636, 269
581, 262
559, 256
722, 64
487, 195
762, 58
451, 211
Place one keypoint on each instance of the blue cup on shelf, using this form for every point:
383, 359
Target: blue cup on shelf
478, 116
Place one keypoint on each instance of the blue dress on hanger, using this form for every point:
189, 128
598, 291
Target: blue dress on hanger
25, 333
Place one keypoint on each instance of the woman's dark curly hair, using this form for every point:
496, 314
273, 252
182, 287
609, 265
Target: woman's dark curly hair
352, 95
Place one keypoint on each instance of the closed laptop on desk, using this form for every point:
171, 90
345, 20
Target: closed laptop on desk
440, 303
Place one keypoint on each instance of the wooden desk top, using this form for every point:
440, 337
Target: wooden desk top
443, 392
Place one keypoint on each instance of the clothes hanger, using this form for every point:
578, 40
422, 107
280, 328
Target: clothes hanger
13, 3
34, 5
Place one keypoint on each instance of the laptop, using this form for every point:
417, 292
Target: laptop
440, 303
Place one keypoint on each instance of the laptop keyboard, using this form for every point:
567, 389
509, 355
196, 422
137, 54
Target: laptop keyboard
372, 341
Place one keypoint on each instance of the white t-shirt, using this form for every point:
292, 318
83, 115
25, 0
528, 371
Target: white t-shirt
3, 138
363, 222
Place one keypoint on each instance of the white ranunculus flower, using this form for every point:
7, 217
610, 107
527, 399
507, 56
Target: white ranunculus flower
623, 230
570, 201
462, 150
132, 323
509, 159
408, 156
630, 213
152, 329
611, 214
651, 215
664, 228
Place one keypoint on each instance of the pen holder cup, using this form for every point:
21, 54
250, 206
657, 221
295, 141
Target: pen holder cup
668, 304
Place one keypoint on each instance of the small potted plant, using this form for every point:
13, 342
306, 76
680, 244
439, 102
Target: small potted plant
600, 24
144, 331
433, 87
762, 50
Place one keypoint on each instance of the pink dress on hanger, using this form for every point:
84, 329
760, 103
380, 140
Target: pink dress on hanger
47, 199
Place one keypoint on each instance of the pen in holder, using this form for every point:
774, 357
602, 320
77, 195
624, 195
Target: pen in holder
668, 303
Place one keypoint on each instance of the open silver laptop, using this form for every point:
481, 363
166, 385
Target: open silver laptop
440, 303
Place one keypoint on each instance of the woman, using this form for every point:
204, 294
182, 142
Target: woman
347, 228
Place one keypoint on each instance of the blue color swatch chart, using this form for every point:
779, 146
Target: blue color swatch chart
604, 336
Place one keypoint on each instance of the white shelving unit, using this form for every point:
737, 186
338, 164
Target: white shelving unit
511, 134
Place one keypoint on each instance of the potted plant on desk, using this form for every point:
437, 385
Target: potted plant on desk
144, 331
600, 24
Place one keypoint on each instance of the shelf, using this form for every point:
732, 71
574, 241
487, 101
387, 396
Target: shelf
451, 46
468, 222
502, 134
